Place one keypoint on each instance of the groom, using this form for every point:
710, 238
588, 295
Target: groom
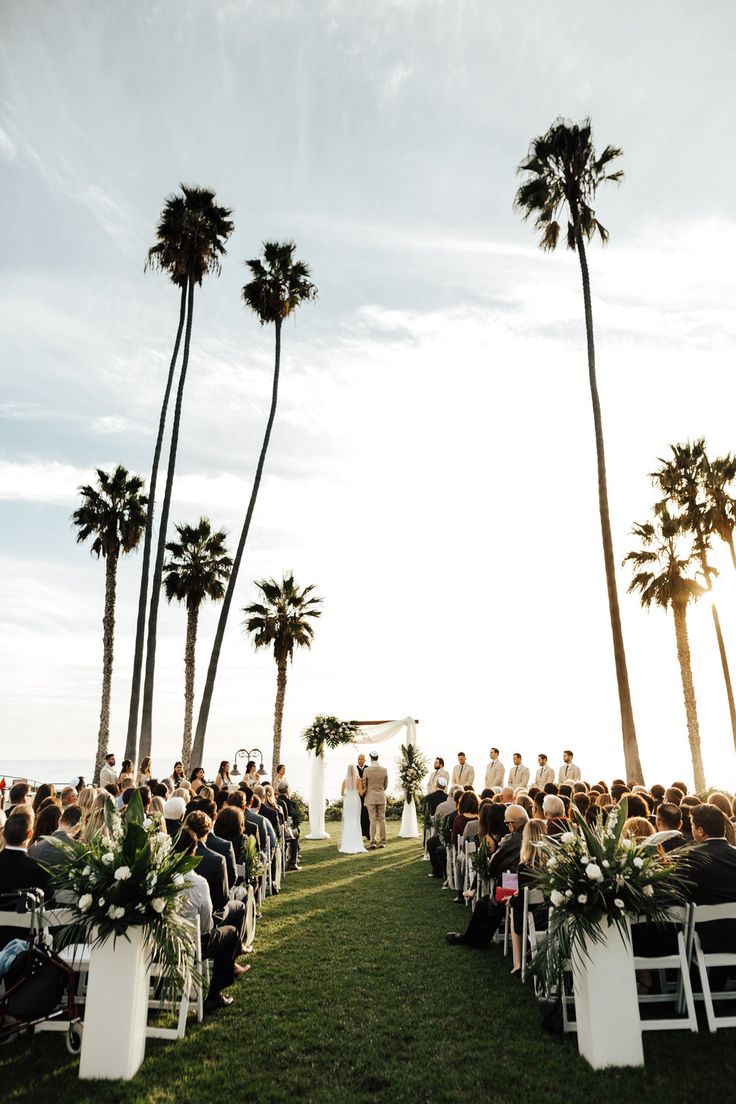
376, 781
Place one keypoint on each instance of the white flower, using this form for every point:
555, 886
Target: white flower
606, 864
85, 902
618, 903
584, 860
108, 858
557, 898
178, 879
568, 893
140, 908
627, 844
87, 871
582, 898
101, 902
567, 837
551, 863
648, 890
594, 872
638, 862
115, 912
158, 904
122, 873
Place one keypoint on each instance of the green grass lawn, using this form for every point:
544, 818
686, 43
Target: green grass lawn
355, 996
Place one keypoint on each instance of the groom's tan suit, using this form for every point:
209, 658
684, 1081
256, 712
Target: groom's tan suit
376, 781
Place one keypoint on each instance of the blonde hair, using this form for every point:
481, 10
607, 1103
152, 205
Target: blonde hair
86, 801
535, 831
637, 828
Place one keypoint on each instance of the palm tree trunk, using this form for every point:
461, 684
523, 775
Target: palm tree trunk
631, 748
278, 713
204, 709
731, 549
147, 716
679, 610
189, 650
108, 635
726, 672
131, 741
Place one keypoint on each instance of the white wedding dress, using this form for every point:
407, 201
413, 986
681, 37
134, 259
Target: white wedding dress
351, 839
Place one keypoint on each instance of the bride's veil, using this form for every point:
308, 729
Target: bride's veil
350, 779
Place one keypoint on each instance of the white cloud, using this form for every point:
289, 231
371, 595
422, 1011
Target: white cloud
8, 151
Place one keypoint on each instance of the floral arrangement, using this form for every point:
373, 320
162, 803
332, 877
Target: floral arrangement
413, 767
481, 862
127, 875
252, 861
330, 732
594, 879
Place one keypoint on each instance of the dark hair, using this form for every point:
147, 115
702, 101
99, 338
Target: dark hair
19, 792
496, 751
579, 787
126, 795
229, 824
669, 815
199, 823
542, 756
280, 766
113, 790
221, 769
468, 802
538, 800
255, 801
497, 823
47, 821
237, 799
220, 798
681, 786
159, 790
145, 793
657, 791
673, 795
71, 816
568, 752
708, 817
194, 773
440, 760
533, 791
552, 788
126, 765
17, 826
461, 753
618, 789
249, 766
565, 789
637, 806
44, 790
581, 802
486, 794
185, 841
247, 791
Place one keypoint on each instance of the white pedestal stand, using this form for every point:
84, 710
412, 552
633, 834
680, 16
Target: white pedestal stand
116, 1009
317, 800
606, 1006
409, 826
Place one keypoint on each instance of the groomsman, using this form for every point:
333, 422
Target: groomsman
494, 771
544, 774
568, 771
463, 774
438, 772
519, 774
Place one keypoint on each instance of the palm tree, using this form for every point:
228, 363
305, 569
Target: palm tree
563, 171
197, 569
280, 622
279, 285
114, 514
662, 579
681, 480
717, 476
191, 239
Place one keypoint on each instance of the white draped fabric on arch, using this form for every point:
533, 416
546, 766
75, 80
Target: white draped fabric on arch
368, 733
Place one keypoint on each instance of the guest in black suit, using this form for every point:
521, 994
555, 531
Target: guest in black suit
437, 796
488, 914
45, 851
669, 819
17, 869
712, 869
225, 848
213, 869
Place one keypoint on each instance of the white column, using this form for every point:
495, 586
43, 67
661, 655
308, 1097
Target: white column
409, 825
606, 1005
317, 800
116, 1009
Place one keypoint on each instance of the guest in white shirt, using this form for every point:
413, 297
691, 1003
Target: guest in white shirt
220, 944
544, 773
438, 772
568, 771
463, 774
108, 774
494, 771
519, 774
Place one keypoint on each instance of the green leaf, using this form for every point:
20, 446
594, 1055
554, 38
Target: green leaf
135, 813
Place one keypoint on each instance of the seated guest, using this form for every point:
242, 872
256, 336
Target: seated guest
725, 805
266, 810
436, 848
230, 826
44, 825
438, 795
674, 795
669, 819
48, 851
554, 813
212, 867
17, 869
174, 811
488, 914
18, 796
531, 857
223, 846
581, 801
69, 796
637, 806
220, 944
467, 810
44, 790
681, 786
712, 870
637, 828
255, 811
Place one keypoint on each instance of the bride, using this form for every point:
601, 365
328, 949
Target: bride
351, 840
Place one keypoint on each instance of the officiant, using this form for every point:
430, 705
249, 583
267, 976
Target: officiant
365, 824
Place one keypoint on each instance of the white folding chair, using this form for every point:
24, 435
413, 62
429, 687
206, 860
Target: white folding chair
251, 909
191, 991
268, 887
707, 914
528, 927
471, 846
679, 961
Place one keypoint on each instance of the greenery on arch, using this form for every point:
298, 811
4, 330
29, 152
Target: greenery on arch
329, 732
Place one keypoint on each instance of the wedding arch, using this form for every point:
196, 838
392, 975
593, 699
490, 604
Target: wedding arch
360, 733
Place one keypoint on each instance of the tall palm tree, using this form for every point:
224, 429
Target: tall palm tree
197, 569
563, 172
680, 479
191, 239
717, 476
664, 576
280, 622
114, 514
279, 285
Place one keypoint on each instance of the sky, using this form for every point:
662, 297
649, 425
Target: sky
432, 468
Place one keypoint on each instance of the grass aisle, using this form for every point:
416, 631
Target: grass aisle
354, 996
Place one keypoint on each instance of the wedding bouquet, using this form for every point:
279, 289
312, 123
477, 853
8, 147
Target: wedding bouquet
127, 875
594, 879
328, 731
252, 861
412, 769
